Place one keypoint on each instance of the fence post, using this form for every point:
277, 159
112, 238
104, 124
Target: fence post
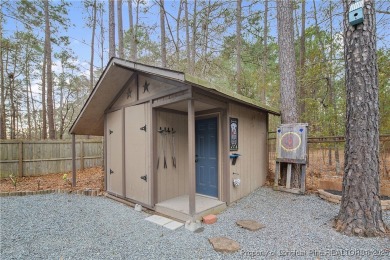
20, 158
74, 160
81, 155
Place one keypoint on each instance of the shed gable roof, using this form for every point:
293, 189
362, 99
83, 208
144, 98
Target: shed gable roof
90, 120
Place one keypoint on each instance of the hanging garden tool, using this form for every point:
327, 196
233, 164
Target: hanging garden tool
165, 146
161, 131
173, 149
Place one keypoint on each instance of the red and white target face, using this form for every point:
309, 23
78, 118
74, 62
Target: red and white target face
290, 141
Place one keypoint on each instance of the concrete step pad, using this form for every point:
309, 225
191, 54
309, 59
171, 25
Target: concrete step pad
165, 222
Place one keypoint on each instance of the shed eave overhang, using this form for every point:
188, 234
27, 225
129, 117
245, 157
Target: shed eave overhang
90, 120
197, 82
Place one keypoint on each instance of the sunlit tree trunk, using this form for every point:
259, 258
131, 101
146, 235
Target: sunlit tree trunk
187, 24
177, 51
12, 101
34, 111
193, 40
3, 132
131, 30
43, 98
101, 37
91, 64
11, 78
360, 210
136, 30
263, 88
238, 47
333, 90
205, 33
287, 64
50, 105
111, 28
302, 58
287, 67
162, 35
120, 30
27, 80
61, 107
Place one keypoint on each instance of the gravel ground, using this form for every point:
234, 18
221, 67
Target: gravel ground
62, 226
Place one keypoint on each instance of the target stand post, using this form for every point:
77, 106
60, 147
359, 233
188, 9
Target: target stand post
291, 149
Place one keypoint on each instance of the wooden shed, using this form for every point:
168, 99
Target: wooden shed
174, 143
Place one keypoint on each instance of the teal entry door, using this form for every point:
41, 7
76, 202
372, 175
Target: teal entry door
206, 152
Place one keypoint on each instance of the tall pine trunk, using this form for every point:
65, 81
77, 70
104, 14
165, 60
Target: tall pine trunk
288, 101
193, 40
91, 70
111, 28
302, 59
238, 47
263, 88
43, 98
3, 133
205, 33
187, 24
27, 80
34, 111
101, 37
136, 30
131, 30
287, 66
162, 35
178, 32
12, 101
360, 210
333, 93
61, 106
50, 105
120, 30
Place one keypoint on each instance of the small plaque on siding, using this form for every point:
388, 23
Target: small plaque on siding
291, 142
233, 134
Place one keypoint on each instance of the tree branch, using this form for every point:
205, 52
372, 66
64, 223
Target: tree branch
382, 12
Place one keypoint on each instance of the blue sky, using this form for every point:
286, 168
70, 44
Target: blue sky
80, 34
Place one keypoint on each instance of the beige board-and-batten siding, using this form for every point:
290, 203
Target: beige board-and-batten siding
252, 165
34, 158
172, 182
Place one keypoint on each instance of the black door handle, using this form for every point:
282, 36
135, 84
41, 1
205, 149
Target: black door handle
196, 158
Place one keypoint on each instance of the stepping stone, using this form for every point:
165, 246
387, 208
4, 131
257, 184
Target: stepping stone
158, 220
250, 225
224, 244
173, 225
165, 222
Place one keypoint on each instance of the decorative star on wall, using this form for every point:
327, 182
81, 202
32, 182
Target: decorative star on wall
146, 86
128, 93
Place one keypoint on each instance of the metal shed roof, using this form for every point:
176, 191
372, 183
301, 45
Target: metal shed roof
90, 120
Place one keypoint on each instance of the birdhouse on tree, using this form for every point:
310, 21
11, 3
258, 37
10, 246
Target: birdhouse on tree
355, 15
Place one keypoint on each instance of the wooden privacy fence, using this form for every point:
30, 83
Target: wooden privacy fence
33, 158
326, 155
